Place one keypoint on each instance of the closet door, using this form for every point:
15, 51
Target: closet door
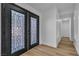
13, 30
34, 30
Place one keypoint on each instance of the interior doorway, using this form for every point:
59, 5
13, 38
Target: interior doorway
63, 29
66, 28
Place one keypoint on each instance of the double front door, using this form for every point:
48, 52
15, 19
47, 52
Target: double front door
20, 30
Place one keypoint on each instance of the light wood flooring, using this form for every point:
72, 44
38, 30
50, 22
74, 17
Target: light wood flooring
65, 48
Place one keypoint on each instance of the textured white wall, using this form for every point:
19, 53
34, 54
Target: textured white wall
0, 28
65, 28
58, 30
76, 27
49, 27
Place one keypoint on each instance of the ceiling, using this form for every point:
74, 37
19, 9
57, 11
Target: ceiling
65, 8
62, 7
41, 7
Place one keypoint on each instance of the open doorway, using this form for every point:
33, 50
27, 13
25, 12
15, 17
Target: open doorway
63, 29
66, 28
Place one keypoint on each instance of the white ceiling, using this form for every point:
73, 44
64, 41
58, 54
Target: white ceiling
41, 7
65, 8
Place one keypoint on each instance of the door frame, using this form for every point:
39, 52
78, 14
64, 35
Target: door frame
6, 28
37, 17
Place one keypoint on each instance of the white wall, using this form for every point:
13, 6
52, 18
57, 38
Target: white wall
66, 27
58, 30
0, 28
76, 27
72, 26
49, 27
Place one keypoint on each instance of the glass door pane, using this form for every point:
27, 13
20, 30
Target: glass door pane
33, 30
17, 28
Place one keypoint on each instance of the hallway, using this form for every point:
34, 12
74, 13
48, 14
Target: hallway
65, 48
38, 31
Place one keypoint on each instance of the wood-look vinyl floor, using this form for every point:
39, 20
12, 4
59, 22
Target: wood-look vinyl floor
65, 48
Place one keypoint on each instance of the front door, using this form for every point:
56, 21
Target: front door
13, 30
34, 29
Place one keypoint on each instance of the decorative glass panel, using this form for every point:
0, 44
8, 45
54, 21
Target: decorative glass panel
33, 30
17, 24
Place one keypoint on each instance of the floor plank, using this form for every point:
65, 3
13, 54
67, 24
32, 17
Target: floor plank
65, 48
